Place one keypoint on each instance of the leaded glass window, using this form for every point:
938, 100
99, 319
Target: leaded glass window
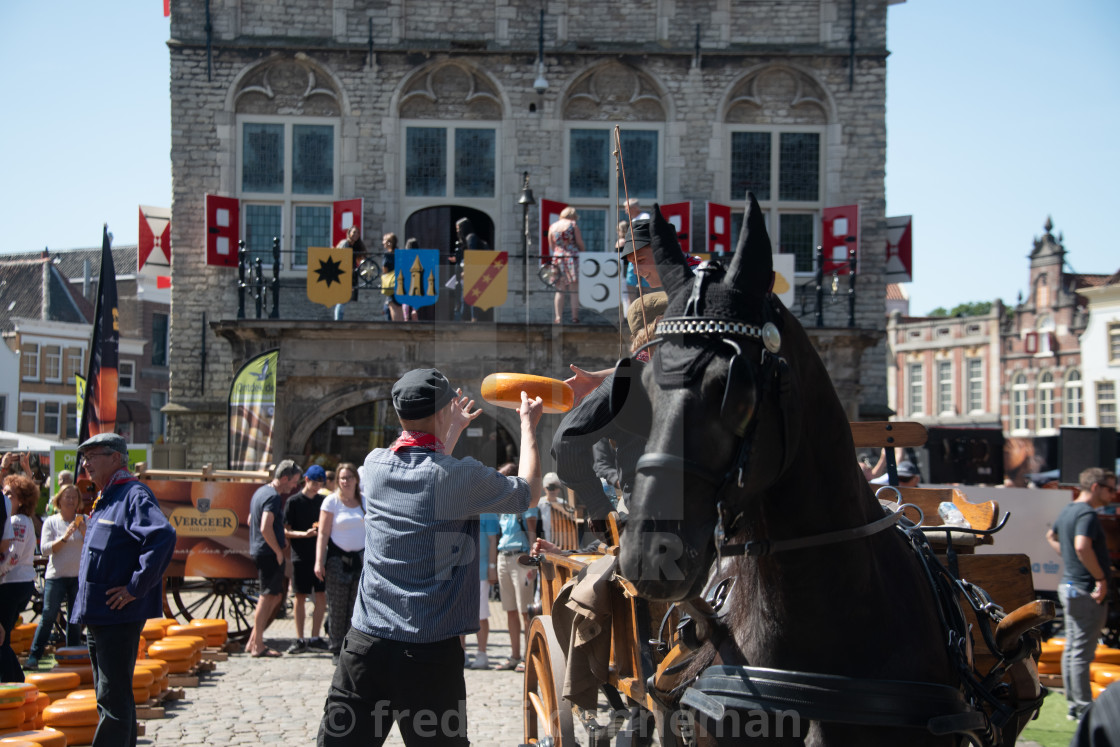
799, 166
474, 162
262, 223
313, 159
312, 228
589, 163
592, 226
426, 162
750, 165
640, 154
262, 158
796, 237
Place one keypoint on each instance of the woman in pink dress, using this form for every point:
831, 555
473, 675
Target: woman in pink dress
564, 244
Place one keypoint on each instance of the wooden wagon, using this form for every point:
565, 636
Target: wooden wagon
212, 573
638, 662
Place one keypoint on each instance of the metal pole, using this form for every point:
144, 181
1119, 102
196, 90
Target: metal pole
851, 287
275, 314
525, 253
241, 279
820, 286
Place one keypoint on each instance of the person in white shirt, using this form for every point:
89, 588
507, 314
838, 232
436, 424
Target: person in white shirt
61, 542
340, 549
17, 572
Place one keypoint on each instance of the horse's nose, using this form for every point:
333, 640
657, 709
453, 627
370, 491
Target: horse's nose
660, 564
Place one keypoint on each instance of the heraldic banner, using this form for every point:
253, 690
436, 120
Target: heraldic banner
329, 274
417, 276
252, 410
485, 278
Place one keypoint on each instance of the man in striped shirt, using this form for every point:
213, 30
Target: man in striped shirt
402, 660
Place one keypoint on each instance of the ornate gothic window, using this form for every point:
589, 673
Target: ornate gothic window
775, 122
288, 161
1072, 400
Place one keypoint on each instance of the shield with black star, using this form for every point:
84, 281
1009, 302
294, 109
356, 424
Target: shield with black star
485, 278
329, 274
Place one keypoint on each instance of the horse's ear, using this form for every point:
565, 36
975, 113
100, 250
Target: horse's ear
752, 267
672, 266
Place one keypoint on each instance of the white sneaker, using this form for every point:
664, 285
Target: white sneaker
481, 662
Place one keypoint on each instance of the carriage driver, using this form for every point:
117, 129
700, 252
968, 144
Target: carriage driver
402, 660
591, 421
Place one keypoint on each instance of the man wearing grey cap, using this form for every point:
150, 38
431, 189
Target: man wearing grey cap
127, 548
402, 661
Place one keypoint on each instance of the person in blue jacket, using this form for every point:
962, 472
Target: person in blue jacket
127, 548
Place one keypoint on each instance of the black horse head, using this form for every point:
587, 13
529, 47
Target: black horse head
715, 402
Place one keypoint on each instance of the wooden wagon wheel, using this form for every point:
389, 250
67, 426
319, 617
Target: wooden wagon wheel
548, 720
229, 599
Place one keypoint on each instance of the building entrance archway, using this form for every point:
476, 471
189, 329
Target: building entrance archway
350, 435
434, 228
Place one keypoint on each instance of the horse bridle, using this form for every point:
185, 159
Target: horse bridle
773, 371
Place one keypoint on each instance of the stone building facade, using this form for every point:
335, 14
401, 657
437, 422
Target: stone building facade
430, 111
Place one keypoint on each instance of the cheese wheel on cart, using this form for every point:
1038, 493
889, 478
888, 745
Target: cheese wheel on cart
504, 390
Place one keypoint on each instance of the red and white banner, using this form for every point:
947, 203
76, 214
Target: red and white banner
900, 253
345, 213
839, 235
679, 215
154, 243
223, 230
550, 213
717, 220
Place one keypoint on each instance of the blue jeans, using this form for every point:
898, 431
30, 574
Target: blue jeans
112, 651
1084, 620
13, 599
54, 592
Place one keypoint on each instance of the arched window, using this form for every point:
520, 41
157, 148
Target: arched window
1019, 420
776, 148
1046, 402
1072, 399
288, 158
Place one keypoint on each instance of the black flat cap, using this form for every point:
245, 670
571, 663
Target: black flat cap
110, 441
420, 393
641, 236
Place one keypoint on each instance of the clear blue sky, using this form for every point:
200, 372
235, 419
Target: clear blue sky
999, 113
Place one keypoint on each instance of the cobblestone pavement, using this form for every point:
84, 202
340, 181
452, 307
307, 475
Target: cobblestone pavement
280, 701
248, 701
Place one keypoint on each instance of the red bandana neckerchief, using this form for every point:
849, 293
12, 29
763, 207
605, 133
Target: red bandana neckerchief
419, 438
121, 475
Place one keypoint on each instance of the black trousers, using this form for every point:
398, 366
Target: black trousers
378, 682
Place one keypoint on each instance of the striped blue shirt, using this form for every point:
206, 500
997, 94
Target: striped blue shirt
420, 572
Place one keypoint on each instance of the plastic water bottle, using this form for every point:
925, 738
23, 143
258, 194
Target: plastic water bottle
951, 516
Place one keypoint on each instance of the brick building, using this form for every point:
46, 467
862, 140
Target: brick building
431, 111
46, 309
1016, 368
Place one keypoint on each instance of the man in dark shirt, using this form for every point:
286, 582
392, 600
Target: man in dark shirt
301, 518
1078, 537
266, 543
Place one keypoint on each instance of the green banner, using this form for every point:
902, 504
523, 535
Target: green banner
252, 409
